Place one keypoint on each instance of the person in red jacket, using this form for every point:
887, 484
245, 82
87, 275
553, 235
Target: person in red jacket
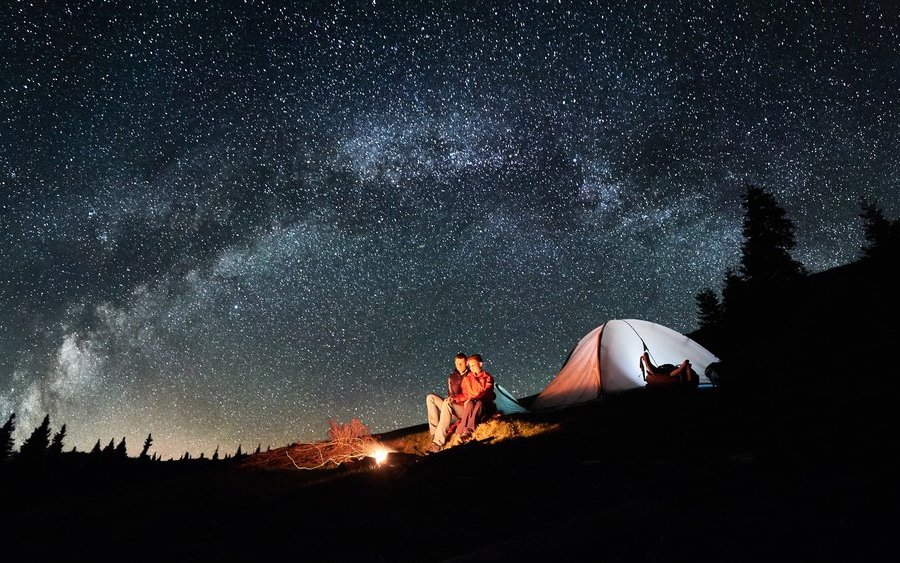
478, 392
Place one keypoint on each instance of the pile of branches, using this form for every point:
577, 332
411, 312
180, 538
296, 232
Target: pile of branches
346, 442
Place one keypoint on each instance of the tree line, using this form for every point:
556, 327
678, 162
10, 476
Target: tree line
766, 261
40, 446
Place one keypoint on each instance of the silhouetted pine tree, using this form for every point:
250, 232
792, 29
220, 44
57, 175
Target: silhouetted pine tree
6, 437
56, 446
147, 443
121, 450
765, 255
258, 448
110, 449
238, 454
882, 235
202, 455
768, 240
709, 309
215, 456
36, 445
96, 449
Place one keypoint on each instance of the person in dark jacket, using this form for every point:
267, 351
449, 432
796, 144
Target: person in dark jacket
443, 411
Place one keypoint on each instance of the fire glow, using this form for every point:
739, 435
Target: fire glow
379, 455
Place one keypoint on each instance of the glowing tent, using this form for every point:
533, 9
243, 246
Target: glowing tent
607, 360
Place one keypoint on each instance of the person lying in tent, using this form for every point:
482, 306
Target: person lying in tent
478, 403
668, 374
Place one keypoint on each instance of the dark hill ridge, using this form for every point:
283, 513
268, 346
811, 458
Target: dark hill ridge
795, 466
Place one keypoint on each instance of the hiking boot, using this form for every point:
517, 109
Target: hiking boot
433, 449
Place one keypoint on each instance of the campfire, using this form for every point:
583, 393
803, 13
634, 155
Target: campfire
348, 442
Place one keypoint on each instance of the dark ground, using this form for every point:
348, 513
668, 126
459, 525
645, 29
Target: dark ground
639, 477
792, 460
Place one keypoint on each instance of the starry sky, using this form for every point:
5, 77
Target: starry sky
226, 222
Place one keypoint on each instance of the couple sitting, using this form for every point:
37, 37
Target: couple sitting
470, 400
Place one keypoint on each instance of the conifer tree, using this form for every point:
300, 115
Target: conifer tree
6, 437
56, 446
238, 454
121, 451
147, 443
709, 309
96, 449
258, 448
36, 445
215, 456
768, 240
110, 448
882, 235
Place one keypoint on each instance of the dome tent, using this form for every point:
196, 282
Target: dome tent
607, 360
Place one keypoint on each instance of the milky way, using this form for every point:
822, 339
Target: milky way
226, 222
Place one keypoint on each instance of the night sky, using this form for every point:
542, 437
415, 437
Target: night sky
226, 222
